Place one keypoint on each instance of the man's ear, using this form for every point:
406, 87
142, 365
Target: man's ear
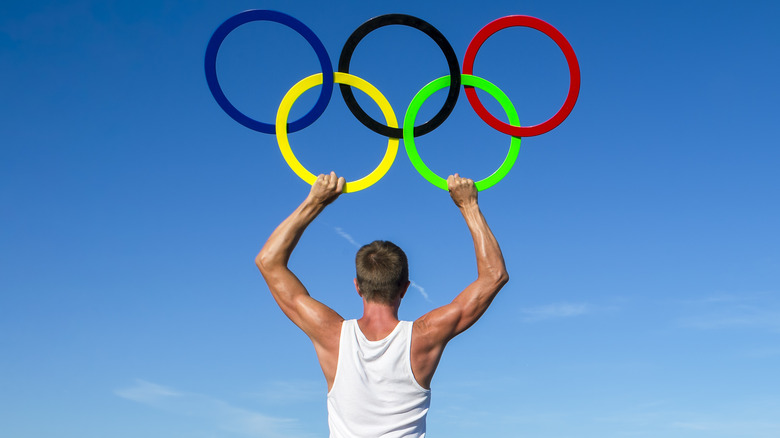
357, 288
406, 288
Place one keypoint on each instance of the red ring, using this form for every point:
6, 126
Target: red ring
574, 74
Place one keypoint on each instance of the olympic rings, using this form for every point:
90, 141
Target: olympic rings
340, 78
452, 63
391, 130
471, 81
265, 15
574, 74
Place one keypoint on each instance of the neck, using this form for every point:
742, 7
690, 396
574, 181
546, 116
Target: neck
378, 319
379, 311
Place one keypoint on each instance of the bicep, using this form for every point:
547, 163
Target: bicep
436, 328
446, 322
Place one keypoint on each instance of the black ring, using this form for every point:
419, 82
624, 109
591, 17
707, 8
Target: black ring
444, 45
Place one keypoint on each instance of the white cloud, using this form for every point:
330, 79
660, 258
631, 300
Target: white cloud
733, 312
223, 415
763, 352
554, 311
732, 428
292, 391
738, 318
421, 290
346, 236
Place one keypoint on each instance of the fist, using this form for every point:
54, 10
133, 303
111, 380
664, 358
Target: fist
462, 190
327, 188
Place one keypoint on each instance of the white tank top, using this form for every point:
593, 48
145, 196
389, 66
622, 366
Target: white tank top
374, 393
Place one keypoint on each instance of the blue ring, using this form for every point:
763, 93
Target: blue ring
266, 15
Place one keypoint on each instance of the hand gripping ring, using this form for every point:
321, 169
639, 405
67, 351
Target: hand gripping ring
340, 78
469, 81
444, 45
574, 74
265, 15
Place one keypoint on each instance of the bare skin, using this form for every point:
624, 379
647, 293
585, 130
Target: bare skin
430, 333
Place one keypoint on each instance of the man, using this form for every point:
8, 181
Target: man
378, 369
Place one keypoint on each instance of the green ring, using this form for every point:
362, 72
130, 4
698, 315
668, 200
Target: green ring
472, 81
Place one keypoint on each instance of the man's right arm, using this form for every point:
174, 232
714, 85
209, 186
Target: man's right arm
434, 329
321, 323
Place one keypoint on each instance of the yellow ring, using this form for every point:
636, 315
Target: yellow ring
340, 78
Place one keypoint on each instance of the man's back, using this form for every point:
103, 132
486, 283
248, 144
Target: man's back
375, 392
390, 364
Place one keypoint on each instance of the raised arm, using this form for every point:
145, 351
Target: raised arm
436, 328
318, 321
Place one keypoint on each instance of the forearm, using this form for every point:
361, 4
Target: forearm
280, 245
276, 252
490, 260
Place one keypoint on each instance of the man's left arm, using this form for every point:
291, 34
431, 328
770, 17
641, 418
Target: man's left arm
321, 323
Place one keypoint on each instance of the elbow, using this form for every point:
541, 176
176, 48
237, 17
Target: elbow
497, 278
261, 261
502, 278
267, 261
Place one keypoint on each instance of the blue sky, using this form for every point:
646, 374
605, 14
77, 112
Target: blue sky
641, 235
